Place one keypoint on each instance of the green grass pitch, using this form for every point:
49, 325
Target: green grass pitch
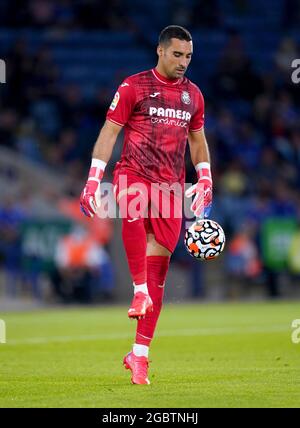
204, 355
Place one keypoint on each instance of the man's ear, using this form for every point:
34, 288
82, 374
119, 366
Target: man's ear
159, 50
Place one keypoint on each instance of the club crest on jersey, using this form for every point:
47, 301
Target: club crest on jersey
185, 97
115, 101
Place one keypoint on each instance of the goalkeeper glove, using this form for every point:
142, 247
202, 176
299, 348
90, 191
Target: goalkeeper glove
90, 198
202, 190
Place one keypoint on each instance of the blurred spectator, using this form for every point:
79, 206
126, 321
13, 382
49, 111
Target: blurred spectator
8, 124
181, 14
286, 53
100, 228
20, 68
12, 216
42, 12
83, 268
27, 141
44, 76
235, 77
249, 148
243, 257
284, 202
71, 105
243, 262
295, 146
234, 179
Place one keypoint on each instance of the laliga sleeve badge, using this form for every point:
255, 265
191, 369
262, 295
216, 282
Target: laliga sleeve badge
115, 101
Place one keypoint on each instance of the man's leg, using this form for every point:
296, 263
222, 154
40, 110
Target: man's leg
135, 244
162, 236
158, 259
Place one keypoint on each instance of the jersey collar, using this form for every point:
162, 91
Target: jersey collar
163, 79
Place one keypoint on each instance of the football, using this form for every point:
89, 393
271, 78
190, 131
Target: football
204, 239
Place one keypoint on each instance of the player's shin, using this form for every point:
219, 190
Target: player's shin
157, 268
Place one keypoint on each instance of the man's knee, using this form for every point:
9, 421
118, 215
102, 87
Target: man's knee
156, 249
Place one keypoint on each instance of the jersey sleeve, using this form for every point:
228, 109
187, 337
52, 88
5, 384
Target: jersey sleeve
122, 104
197, 120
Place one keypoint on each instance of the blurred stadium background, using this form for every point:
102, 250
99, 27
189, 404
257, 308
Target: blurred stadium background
64, 60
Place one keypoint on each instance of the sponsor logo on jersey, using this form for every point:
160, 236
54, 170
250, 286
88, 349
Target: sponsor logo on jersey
115, 101
185, 97
167, 121
170, 112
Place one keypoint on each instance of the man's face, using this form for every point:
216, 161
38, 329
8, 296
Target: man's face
175, 57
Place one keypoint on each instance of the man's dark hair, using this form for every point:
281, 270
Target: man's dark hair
173, 31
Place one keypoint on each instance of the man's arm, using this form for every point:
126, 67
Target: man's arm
202, 190
198, 147
106, 140
90, 198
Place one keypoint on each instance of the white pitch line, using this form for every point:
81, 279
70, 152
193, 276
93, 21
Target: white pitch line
167, 333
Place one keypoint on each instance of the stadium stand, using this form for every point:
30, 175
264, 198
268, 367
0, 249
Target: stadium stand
64, 61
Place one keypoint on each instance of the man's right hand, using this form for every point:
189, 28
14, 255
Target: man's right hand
90, 198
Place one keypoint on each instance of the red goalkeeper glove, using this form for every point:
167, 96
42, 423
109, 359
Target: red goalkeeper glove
202, 190
90, 198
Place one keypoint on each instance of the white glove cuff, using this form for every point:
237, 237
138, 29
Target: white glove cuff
203, 170
98, 163
97, 168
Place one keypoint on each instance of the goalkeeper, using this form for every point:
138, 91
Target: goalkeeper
160, 109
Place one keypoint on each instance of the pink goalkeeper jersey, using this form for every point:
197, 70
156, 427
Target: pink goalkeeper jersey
157, 115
